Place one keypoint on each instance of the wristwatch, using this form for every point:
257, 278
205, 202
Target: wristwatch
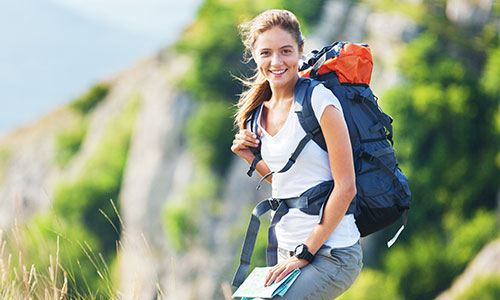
301, 251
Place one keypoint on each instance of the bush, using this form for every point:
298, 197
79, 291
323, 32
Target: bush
209, 135
484, 288
56, 251
91, 99
183, 212
371, 285
68, 142
84, 203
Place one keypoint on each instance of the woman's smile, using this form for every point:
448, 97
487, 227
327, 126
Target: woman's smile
278, 72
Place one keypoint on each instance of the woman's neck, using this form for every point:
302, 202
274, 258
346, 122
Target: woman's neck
283, 93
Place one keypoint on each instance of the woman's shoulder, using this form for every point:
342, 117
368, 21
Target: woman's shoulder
321, 97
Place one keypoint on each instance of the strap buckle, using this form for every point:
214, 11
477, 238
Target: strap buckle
274, 203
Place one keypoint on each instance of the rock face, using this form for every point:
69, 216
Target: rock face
27, 173
486, 263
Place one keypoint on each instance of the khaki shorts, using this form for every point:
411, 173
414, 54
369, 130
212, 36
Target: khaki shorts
331, 273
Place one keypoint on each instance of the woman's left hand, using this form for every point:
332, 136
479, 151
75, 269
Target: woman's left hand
279, 271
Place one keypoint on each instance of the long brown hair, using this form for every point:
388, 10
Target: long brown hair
257, 87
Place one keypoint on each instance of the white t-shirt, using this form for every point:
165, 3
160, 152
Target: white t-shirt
311, 168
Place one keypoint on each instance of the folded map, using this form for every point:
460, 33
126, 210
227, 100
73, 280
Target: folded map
254, 287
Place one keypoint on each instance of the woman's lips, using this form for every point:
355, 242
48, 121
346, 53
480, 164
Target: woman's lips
278, 72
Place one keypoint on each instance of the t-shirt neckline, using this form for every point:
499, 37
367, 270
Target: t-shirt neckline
259, 121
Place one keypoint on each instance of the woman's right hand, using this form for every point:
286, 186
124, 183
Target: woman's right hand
241, 143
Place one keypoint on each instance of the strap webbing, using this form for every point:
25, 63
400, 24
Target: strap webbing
252, 124
281, 207
365, 97
405, 220
376, 157
253, 165
249, 242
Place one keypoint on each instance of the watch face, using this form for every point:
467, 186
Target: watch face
299, 250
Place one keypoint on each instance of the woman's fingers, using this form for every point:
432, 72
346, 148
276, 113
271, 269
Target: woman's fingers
247, 138
273, 274
283, 273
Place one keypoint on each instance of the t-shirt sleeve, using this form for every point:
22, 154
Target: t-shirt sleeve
322, 97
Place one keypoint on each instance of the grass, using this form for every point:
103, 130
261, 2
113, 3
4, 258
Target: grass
54, 278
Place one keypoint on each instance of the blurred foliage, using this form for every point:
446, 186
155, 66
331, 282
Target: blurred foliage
184, 211
69, 140
370, 285
208, 133
484, 288
445, 111
91, 99
85, 201
55, 249
5, 155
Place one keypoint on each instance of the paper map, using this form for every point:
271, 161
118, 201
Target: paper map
253, 286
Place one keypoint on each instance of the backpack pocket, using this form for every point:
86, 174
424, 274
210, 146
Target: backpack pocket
383, 192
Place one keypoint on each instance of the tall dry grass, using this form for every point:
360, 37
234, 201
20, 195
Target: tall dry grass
20, 279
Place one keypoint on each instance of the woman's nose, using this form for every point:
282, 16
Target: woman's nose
276, 60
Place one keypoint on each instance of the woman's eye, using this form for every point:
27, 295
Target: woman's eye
287, 51
264, 53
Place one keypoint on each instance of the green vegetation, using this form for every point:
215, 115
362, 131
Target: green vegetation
91, 99
86, 222
184, 211
69, 140
370, 285
5, 155
100, 180
484, 288
448, 144
209, 134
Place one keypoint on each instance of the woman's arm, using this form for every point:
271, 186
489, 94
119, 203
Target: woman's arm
241, 143
342, 166
340, 156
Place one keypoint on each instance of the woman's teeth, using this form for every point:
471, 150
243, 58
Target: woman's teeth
278, 72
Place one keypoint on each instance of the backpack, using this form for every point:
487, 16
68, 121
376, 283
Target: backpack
383, 194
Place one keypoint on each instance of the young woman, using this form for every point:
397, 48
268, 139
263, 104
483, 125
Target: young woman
334, 256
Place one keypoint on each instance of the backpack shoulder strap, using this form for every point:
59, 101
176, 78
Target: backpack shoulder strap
305, 113
252, 126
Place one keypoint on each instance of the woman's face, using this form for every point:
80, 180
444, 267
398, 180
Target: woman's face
277, 55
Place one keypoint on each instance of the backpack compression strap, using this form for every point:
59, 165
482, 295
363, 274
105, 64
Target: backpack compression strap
364, 97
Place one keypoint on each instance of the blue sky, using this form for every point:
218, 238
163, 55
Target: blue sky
53, 50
